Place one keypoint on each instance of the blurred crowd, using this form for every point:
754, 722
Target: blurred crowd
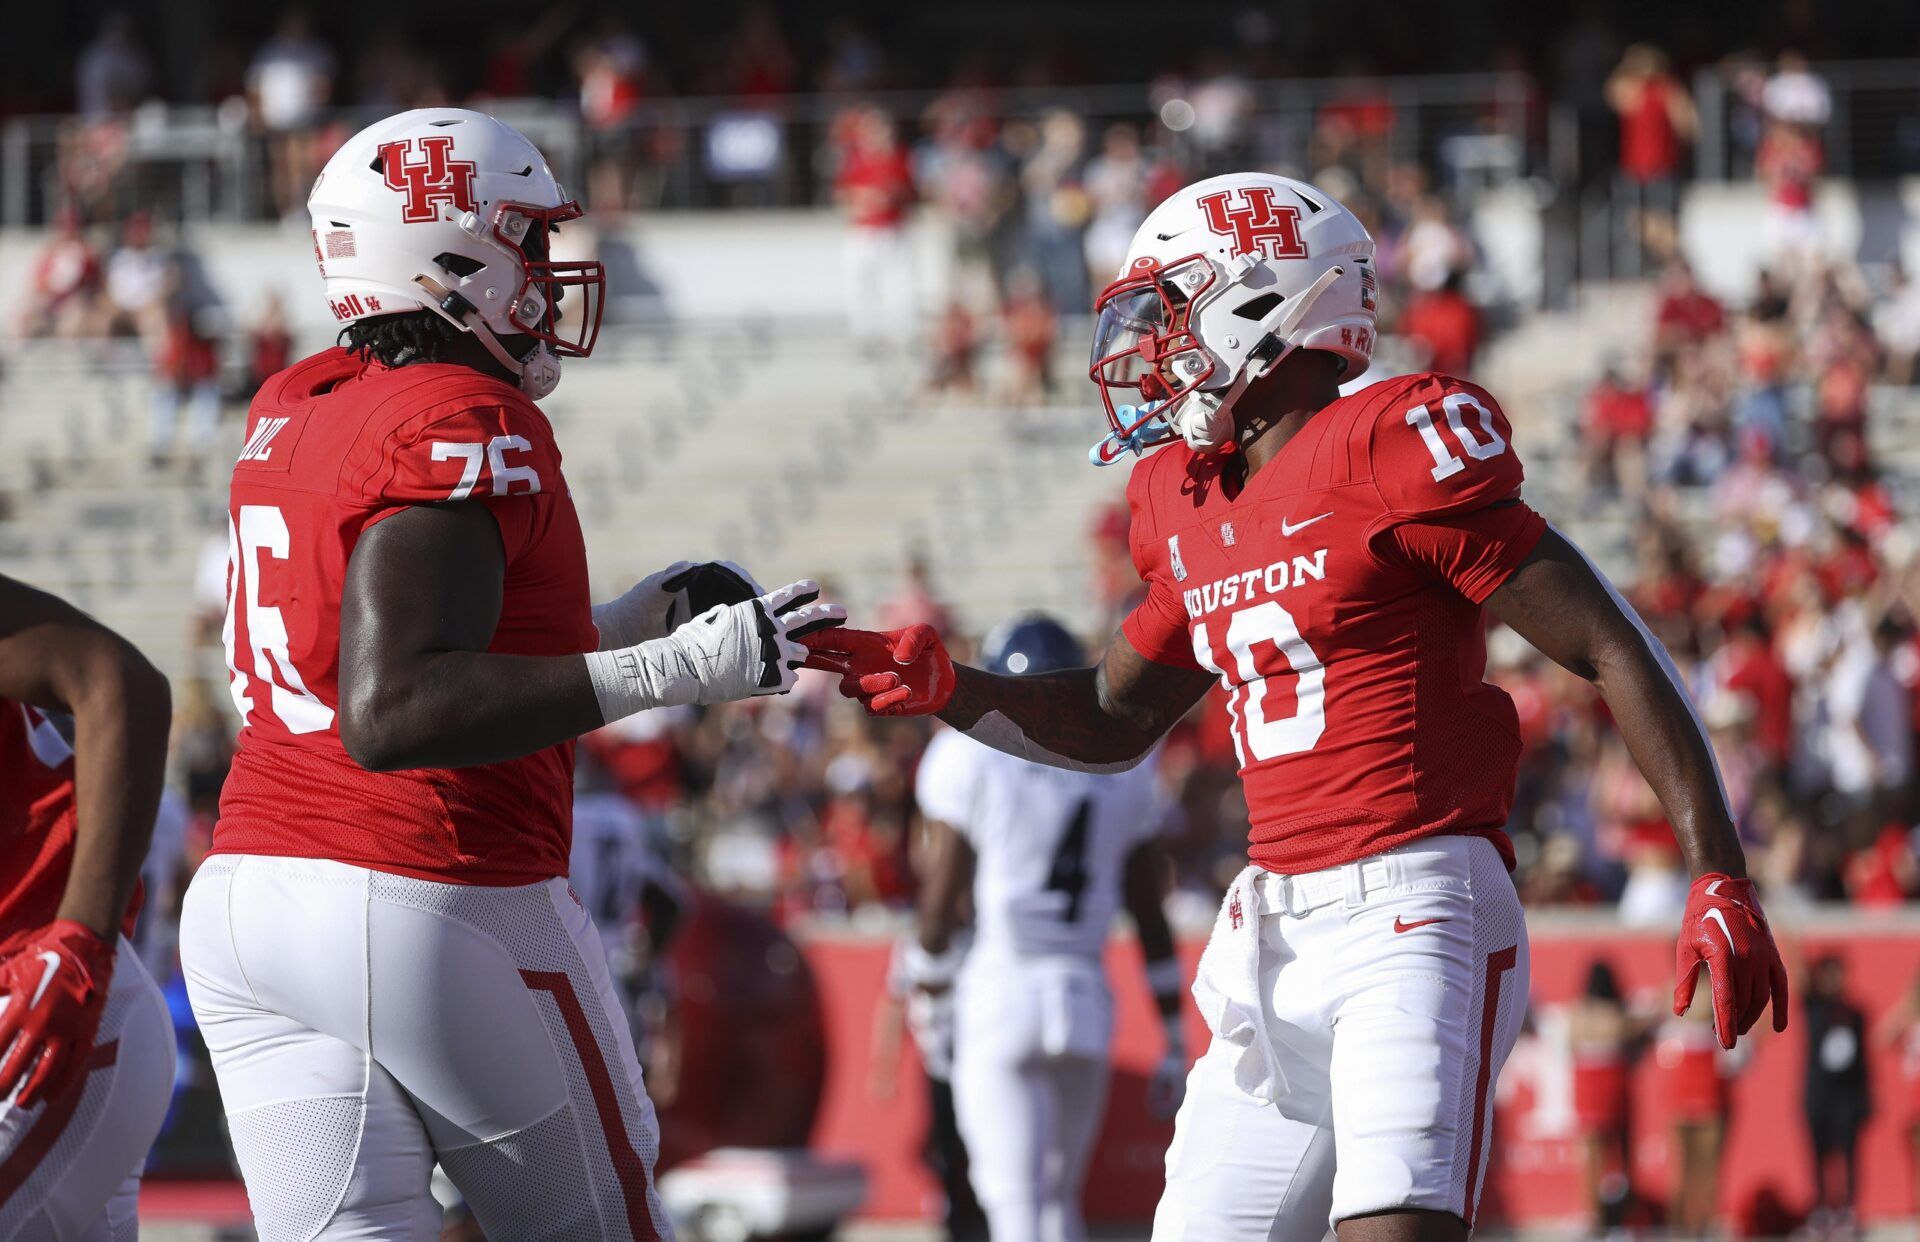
1738, 440
1772, 556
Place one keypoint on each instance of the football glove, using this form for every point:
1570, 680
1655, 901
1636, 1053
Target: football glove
53, 990
730, 651
662, 602
1724, 931
896, 673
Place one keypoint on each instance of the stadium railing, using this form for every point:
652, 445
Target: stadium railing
206, 162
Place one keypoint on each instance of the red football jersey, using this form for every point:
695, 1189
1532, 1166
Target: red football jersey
36, 823
333, 447
1337, 596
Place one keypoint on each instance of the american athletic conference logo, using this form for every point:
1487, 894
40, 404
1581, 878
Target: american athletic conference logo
1257, 225
434, 178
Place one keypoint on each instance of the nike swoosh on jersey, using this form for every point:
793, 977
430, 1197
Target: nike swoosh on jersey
1291, 529
1400, 925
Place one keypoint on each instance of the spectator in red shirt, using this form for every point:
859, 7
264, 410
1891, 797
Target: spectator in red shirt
1618, 422
1657, 121
1445, 324
874, 186
269, 344
1749, 666
1029, 321
1686, 317
67, 295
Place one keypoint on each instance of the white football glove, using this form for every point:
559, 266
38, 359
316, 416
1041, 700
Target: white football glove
728, 652
662, 602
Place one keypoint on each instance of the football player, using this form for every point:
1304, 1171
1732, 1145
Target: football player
1330, 561
1048, 856
86, 1046
381, 948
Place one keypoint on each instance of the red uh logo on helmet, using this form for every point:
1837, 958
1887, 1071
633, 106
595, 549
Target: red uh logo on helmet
1258, 225
434, 178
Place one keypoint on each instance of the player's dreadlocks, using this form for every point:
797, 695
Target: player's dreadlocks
397, 340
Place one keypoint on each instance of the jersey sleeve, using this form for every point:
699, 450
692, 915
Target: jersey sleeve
1473, 552
1440, 445
491, 446
1449, 482
945, 787
1157, 627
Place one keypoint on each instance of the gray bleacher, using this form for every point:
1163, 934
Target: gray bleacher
809, 459
788, 450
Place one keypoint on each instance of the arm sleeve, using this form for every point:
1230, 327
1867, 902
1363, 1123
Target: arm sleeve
1472, 552
943, 787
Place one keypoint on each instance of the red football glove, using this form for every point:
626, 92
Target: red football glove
1724, 931
52, 992
898, 673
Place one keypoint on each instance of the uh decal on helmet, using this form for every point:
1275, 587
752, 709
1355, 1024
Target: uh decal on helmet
448, 210
1222, 281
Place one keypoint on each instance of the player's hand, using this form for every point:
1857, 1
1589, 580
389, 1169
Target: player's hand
53, 990
752, 648
1724, 931
896, 673
664, 601
1167, 1088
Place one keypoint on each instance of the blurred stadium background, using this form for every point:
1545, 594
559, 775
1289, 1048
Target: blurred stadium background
851, 251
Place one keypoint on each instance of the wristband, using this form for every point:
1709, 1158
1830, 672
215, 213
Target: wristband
1164, 976
626, 680
1176, 1036
930, 970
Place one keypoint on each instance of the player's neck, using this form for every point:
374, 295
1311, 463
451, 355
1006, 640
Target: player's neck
1279, 415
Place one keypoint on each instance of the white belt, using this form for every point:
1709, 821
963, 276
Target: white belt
1299, 895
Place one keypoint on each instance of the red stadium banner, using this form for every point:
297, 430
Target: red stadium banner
1537, 1174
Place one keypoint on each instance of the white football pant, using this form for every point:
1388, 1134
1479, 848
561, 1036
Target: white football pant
1030, 1087
70, 1167
364, 1026
1360, 1017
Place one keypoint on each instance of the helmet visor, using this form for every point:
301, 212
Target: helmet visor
1124, 338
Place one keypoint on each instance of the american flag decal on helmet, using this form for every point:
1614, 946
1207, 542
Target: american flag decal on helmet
340, 244
1369, 288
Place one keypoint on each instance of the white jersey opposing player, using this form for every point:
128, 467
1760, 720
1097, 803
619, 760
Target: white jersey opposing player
1049, 855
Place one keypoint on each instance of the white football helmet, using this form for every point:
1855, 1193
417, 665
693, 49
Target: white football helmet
449, 210
1222, 281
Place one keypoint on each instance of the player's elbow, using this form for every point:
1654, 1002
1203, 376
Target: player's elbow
372, 732
116, 680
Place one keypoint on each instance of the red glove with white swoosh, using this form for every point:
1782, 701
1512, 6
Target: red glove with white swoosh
1724, 931
53, 990
894, 673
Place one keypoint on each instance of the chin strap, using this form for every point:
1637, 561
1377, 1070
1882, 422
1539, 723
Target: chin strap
538, 372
